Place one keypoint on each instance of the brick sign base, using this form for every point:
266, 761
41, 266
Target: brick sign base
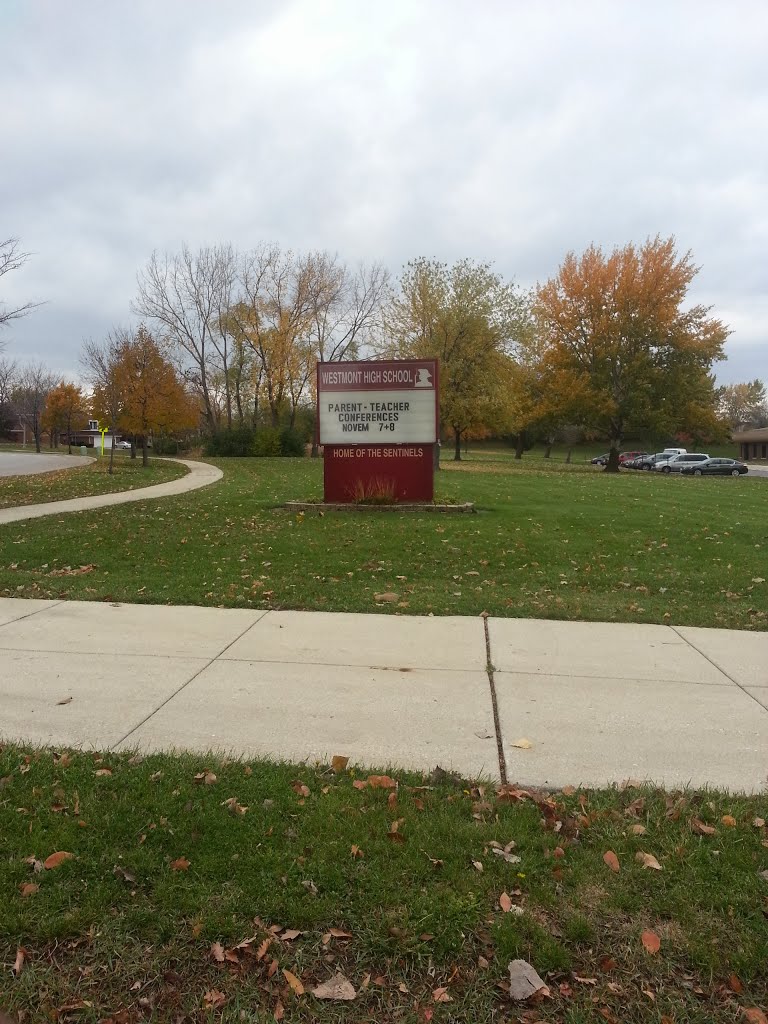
358, 472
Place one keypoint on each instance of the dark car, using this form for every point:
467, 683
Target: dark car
649, 461
600, 460
716, 467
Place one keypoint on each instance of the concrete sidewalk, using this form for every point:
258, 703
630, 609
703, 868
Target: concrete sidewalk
200, 475
597, 702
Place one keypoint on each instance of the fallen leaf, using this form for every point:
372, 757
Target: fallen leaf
300, 788
505, 902
755, 1015
339, 763
182, 864
523, 744
28, 888
290, 934
392, 801
647, 860
57, 858
19, 962
701, 828
233, 806
381, 782
34, 863
338, 987
729, 820
759, 822
638, 830
279, 1011
440, 995
478, 865
213, 999
482, 963
217, 952
310, 886
356, 852
612, 861
66, 700
359, 784
208, 778
294, 982
386, 598
524, 982
102, 771
651, 941
510, 858
734, 984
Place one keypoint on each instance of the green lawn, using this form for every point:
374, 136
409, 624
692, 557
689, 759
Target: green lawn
170, 873
80, 482
549, 541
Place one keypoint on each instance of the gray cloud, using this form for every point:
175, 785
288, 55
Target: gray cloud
504, 130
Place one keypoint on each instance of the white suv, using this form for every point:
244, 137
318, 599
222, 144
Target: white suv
678, 462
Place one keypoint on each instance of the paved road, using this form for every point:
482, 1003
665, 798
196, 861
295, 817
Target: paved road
200, 475
594, 703
28, 463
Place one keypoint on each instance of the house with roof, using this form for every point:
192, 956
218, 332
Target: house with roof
753, 444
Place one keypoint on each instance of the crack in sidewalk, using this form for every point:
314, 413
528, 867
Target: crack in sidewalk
494, 703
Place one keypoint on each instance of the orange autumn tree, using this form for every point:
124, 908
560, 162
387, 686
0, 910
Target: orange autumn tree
154, 399
65, 411
625, 352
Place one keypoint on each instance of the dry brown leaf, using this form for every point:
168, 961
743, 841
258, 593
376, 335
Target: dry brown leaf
478, 865
754, 1015
217, 952
213, 999
294, 982
389, 597
524, 982
734, 984
182, 864
728, 820
505, 902
440, 995
523, 744
381, 782
19, 962
647, 860
102, 771
759, 822
339, 763
28, 888
338, 988
34, 863
701, 828
208, 778
300, 788
279, 1012
356, 852
612, 861
290, 934
651, 941
638, 830
359, 784
57, 858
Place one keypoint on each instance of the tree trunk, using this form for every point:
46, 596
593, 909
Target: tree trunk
436, 455
519, 445
133, 447
112, 456
568, 457
612, 465
457, 444
37, 438
548, 451
144, 459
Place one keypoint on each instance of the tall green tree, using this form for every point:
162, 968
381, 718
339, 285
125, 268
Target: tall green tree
743, 404
469, 319
626, 352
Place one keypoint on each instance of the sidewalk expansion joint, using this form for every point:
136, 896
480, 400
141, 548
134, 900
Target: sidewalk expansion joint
184, 685
721, 670
29, 615
494, 704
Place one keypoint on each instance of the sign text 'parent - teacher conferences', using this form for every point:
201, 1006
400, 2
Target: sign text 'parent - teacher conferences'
377, 403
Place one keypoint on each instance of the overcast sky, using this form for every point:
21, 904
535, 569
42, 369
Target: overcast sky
504, 131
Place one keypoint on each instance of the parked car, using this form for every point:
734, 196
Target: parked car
678, 462
122, 445
669, 452
600, 460
627, 457
716, 467
647, 462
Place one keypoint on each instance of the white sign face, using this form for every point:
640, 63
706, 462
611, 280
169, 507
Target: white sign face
377, 403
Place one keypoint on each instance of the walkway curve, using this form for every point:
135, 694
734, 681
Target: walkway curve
201, 474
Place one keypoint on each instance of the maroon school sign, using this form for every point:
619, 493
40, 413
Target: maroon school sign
378, 425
